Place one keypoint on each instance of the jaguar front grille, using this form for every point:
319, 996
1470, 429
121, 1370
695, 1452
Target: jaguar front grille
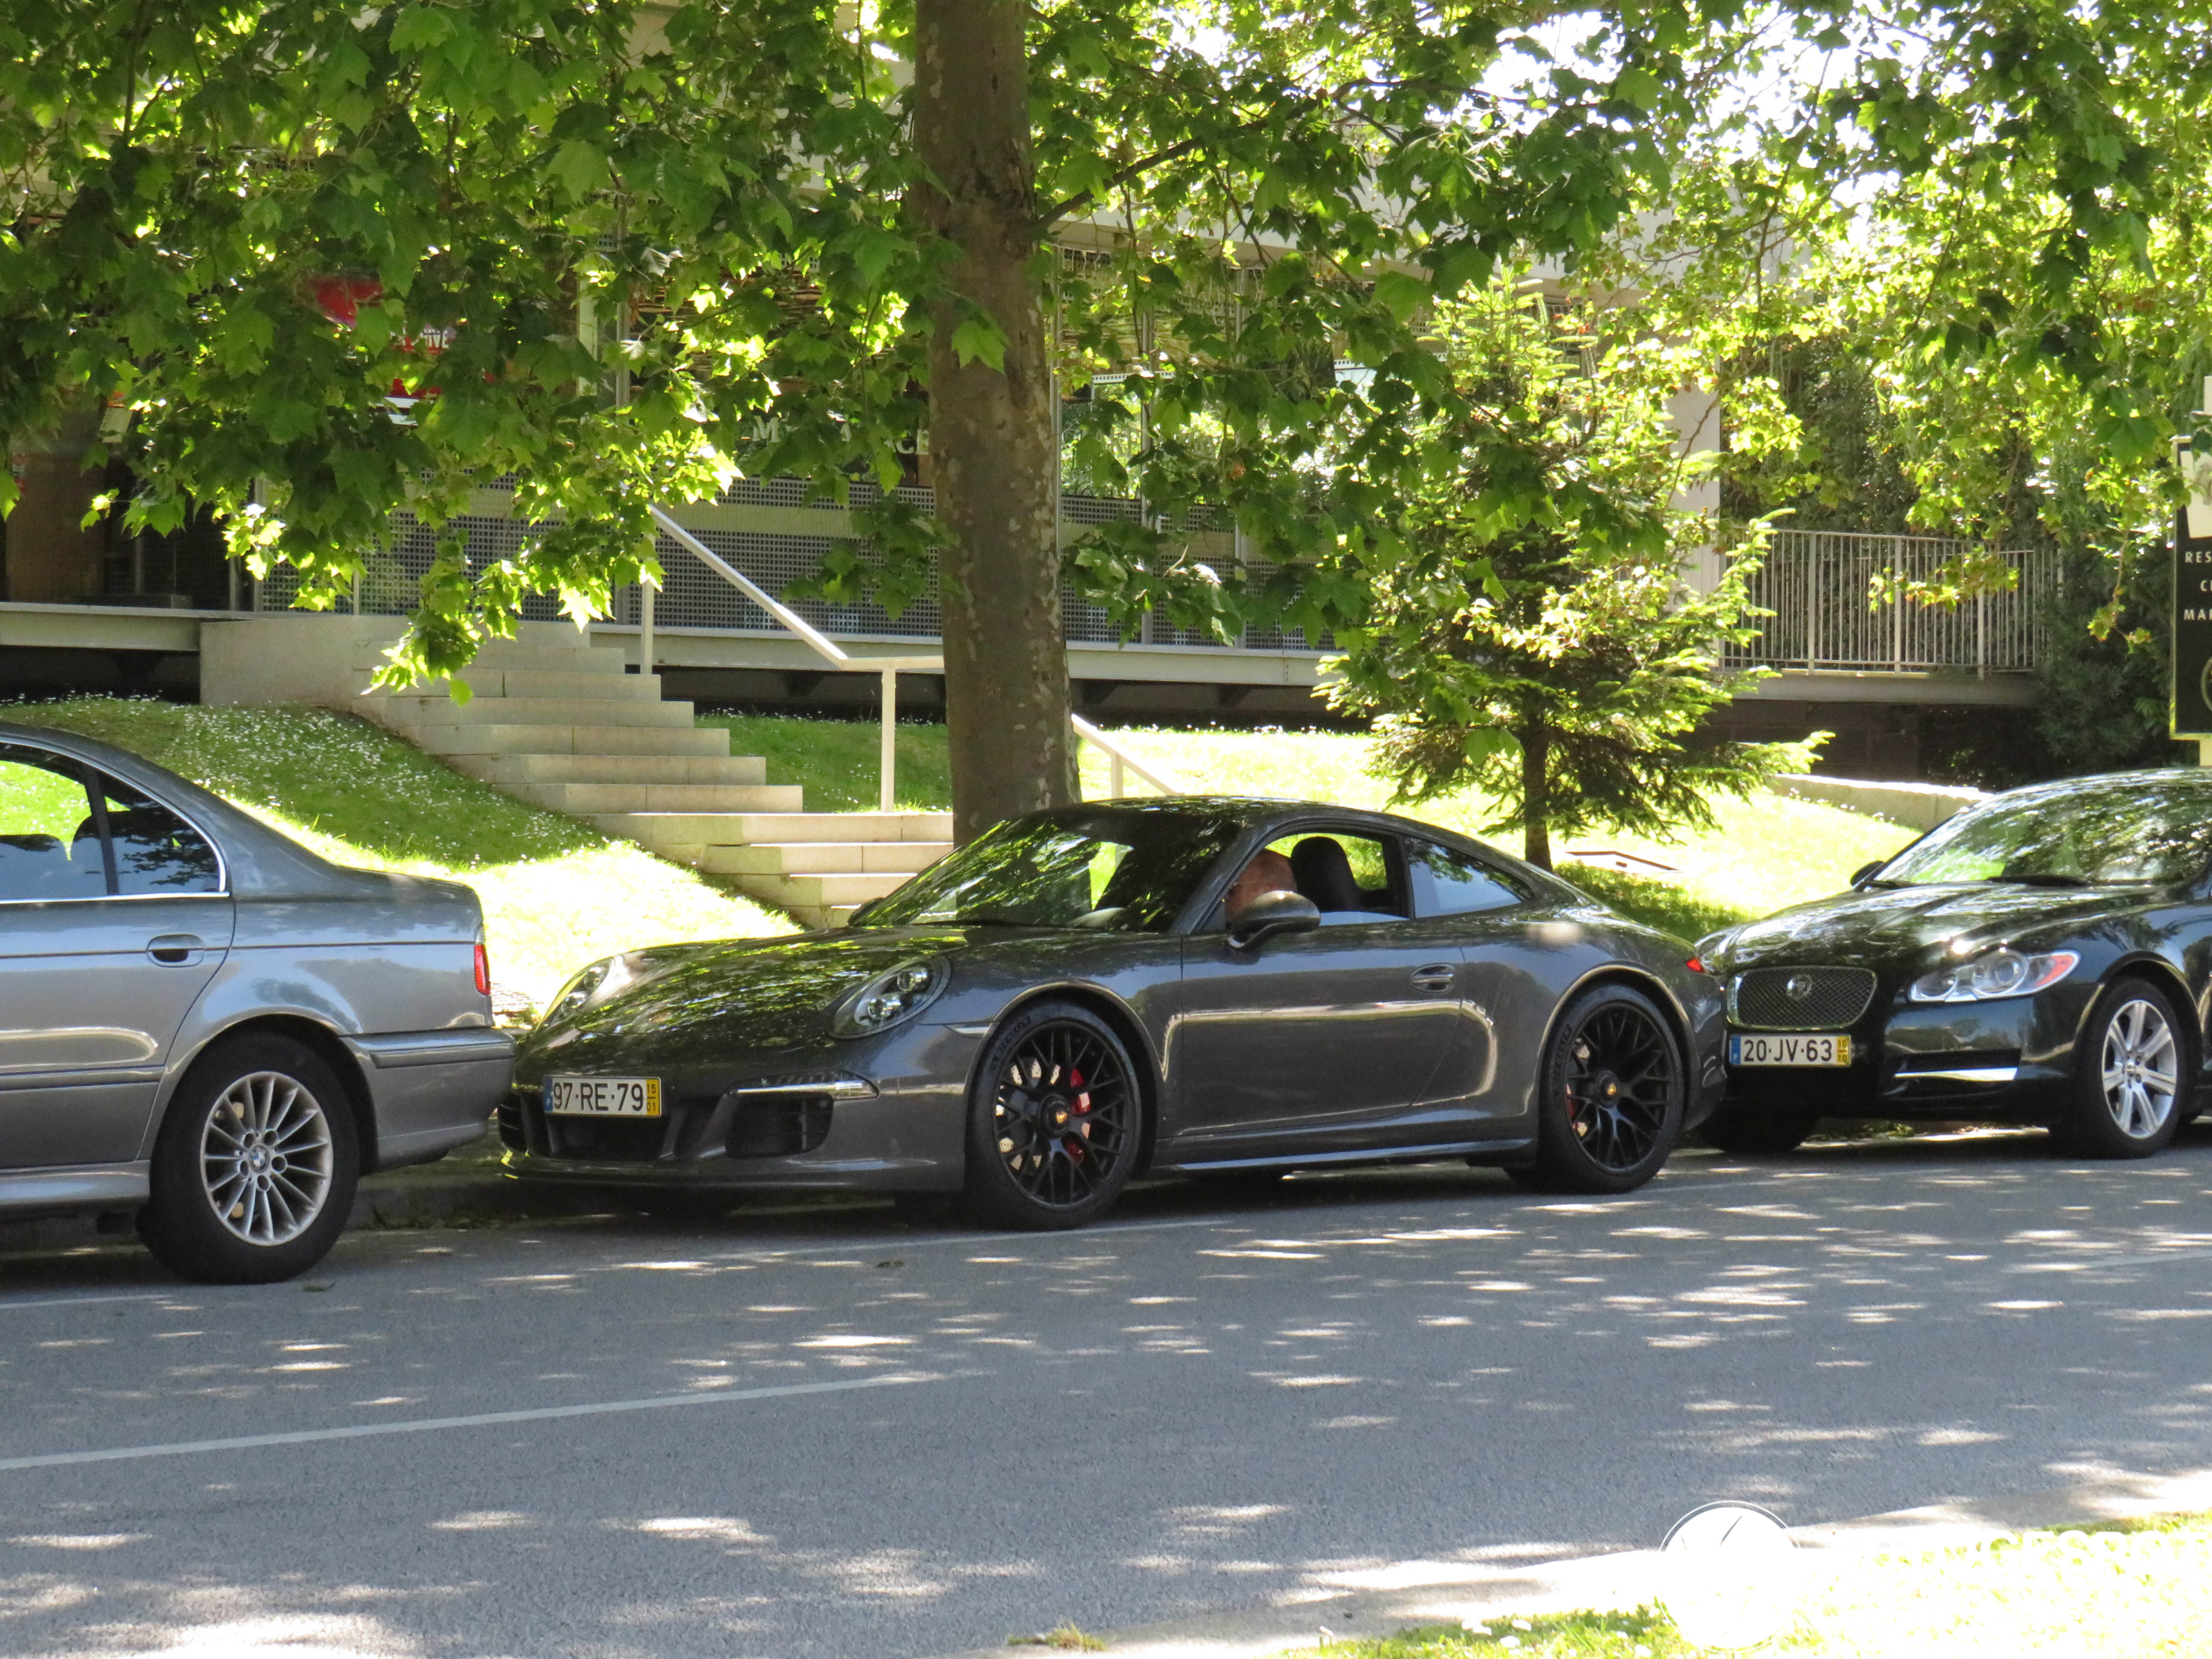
1799, 999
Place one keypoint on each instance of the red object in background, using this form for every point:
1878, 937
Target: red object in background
342, 297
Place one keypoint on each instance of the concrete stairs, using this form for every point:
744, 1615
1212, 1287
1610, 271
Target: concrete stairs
566, 726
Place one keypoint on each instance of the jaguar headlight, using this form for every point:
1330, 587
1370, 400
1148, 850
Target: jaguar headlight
1994, 974
890, 998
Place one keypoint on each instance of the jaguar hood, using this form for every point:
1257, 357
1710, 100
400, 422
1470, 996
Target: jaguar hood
1899, 924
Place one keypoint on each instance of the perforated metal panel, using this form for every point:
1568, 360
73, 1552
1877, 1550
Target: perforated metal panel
694, 595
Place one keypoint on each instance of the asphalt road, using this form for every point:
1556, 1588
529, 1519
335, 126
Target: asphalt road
834, 1434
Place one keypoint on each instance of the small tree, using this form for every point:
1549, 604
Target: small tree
1535, 639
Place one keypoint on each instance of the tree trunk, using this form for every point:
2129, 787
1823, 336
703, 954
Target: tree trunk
990, 429
1535, 794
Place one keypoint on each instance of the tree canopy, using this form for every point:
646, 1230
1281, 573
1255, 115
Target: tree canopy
333, 260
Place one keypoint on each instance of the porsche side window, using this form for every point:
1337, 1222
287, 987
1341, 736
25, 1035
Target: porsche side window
1452, 884
156, 852
42, 800
1113, 870
1347, 877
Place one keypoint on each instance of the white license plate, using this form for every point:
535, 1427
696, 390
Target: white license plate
1790, 1049
603, 1096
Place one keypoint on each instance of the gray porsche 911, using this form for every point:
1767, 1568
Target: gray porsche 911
1210, 986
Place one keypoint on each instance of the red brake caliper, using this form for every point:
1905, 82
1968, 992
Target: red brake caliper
1083, 1106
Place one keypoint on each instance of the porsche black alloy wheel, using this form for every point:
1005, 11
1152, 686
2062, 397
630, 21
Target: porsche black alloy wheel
1053, 1120
1613, 1094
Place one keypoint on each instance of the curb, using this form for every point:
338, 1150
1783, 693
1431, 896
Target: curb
1920, 806
396, 1201
1421, 1593
388, 1201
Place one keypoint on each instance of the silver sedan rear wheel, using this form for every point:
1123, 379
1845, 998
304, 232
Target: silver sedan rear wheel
265, 1158
254, 1167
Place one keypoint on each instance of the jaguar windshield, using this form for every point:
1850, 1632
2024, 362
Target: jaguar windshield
1125, 870
2146, 830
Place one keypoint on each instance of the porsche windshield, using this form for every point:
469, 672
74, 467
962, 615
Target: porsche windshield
2152, 832
1119, 872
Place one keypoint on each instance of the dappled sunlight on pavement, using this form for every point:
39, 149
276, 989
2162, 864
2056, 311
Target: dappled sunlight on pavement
822, 1431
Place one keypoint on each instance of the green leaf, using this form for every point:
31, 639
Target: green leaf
1403, 294
418, 28
1640, 87
580, 167
976, 339
871, 249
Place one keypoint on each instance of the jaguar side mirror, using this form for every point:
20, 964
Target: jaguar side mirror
1278, 912
1865, 870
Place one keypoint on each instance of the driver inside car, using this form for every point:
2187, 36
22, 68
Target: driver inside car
1267, 872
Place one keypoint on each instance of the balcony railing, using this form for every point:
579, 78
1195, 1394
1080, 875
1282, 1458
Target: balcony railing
1820, 585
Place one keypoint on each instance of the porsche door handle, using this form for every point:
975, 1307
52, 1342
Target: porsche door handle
1435, 977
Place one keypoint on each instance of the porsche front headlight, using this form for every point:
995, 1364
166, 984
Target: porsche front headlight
577, 992
890, 998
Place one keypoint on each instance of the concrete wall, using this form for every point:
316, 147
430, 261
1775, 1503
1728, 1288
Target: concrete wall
291, 657
1920, 806
318, 658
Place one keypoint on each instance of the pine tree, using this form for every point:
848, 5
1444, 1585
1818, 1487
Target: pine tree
1536, 639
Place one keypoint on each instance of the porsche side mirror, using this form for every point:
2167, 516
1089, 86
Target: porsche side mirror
1279, 912
1865, 870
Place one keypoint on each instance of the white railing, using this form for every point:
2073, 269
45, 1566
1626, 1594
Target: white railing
1819, 586
1119, 761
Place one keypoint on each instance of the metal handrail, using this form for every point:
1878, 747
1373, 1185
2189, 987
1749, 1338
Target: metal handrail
1119, 760
831, 652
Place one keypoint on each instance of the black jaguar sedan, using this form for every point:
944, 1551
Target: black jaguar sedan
1234, 988
2043, 958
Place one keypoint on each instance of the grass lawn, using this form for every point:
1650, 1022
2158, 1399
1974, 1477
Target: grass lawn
2121, 1592
1766, 853
557, 893
838, 760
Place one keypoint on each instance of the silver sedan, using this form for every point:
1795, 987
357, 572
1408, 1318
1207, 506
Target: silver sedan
204, 1024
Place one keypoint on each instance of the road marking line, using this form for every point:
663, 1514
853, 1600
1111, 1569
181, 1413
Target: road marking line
979, 1240
480, 1420
79, 1301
